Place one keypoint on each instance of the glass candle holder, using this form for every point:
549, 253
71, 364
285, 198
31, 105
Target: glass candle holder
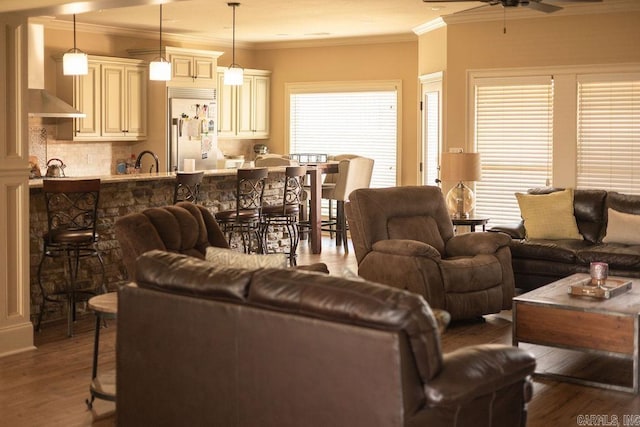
599, 272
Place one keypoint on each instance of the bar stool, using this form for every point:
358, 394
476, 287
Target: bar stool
245, 218
352, 174
187, 187
71, 236
329, 184
286, 213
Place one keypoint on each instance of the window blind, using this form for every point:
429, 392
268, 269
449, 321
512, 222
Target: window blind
609, 132
362, 123
513, 134
432, 115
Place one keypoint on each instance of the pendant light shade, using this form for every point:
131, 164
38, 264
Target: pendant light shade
160, 68
234, 75
75, 62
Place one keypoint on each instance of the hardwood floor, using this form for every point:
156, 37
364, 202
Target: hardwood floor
48, 386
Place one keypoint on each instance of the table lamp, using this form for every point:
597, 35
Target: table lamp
460, 167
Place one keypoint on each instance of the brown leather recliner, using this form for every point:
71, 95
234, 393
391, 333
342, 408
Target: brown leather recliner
183, 228
203, 345
403, 237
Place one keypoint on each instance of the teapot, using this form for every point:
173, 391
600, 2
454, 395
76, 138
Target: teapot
53, 170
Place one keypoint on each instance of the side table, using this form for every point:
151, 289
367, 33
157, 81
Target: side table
471, 222
103, 386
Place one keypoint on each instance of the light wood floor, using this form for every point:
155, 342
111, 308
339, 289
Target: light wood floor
48, 386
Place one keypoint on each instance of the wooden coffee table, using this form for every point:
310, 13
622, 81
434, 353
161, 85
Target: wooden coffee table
549, 316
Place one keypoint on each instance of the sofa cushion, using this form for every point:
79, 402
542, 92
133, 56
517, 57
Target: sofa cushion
616, 255
622, 228
550, 250
470, 274
549, 216
230, 258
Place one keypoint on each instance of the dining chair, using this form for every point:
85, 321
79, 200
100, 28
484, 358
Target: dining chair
353, 173
245, 218
71, 236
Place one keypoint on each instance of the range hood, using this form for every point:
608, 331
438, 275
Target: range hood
42, 103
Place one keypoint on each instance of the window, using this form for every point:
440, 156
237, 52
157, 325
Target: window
609, 132
347, 118
513, 130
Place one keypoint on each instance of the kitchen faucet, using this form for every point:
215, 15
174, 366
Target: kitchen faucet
137, 165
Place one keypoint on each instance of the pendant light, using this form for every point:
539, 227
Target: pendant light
234, 75
160, 68
75, 61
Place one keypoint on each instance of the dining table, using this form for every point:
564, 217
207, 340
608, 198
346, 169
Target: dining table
315, 172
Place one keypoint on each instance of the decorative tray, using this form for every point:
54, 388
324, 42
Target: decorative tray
611, 288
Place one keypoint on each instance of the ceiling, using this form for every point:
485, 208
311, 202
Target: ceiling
260, 21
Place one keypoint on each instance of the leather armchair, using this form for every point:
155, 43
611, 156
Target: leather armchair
403, 237
199, 344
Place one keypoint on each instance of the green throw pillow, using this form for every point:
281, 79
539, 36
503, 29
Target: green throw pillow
549, 216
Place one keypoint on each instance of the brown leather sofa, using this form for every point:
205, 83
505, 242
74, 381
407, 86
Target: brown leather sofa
183, 228
204, 345
540, 261
403, 237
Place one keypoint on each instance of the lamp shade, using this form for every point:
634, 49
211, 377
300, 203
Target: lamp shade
160, 70
75, 63
233, 76
460, 167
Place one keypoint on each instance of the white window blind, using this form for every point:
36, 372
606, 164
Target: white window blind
609, 132
513, 134
362, 122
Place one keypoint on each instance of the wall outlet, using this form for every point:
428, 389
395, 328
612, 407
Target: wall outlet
455, 150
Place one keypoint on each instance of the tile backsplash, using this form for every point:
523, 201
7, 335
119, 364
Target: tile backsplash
97, 158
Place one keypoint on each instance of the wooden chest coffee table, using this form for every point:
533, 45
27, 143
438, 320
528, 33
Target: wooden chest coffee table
549, 316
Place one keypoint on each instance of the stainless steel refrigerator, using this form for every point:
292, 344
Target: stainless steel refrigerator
193, 128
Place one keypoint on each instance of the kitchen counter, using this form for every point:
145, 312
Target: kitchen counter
108, 179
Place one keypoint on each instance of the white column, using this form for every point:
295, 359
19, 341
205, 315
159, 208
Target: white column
16, 329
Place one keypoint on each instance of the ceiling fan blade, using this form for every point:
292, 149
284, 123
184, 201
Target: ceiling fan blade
542, 7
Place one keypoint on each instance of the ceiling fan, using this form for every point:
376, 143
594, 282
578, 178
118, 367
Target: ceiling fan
532, 4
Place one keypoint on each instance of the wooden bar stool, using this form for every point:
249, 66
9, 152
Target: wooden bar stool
245, 218
71, 236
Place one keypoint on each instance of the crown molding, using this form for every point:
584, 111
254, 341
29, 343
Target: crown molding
338, 41
52, 23
432, 25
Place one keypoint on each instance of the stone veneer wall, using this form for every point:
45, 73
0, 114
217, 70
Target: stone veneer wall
116, 200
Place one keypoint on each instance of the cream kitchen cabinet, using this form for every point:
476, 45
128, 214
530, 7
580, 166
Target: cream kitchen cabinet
243, 111
113, 96
124, 106
193, 67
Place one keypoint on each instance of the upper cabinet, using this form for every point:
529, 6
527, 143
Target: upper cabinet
189, 67
243, 111
113, 96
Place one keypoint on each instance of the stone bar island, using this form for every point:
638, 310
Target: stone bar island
119, 196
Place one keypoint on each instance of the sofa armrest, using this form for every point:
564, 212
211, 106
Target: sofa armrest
471, 244
471, 372
406, 247
514, 230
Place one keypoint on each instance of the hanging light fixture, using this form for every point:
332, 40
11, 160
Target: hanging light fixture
234, 75
75, 61
160, 68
